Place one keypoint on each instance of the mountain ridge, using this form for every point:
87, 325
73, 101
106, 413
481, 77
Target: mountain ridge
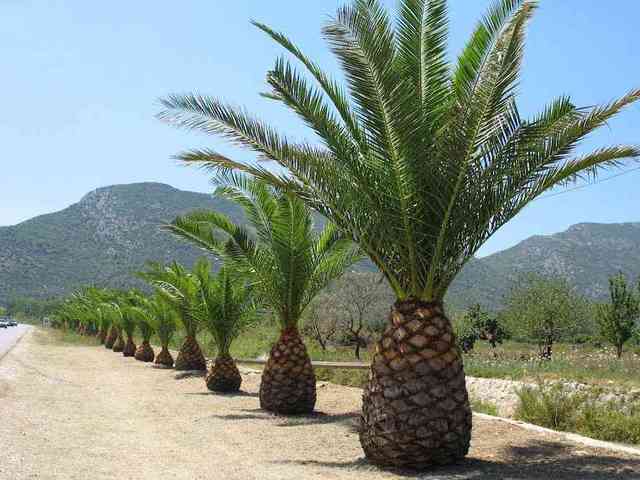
113, 230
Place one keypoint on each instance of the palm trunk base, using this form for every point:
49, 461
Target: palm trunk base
164, 358
416, 411
144, 352
118, 346
288, 383
190, 356
111, 338
223, 376
129, 349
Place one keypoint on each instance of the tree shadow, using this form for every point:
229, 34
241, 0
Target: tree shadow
349, 420
182, 374
537, 460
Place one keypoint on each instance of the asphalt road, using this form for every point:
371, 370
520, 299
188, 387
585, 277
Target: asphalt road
9, 336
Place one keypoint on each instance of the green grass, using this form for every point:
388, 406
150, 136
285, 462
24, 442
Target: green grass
481, 406
557, 407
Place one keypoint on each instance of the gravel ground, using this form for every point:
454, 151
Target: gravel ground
77, 412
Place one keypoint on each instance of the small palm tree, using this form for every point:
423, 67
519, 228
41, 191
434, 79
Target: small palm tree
117, 322
104, 321
180, 289
421, 161
289, 263
226, 308
128, 321
109, 311
143, 316
164, 320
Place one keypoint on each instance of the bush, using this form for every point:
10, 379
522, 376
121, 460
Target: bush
607, 422
550, 405
556, 406
481, 406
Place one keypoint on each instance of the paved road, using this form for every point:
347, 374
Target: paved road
9, 336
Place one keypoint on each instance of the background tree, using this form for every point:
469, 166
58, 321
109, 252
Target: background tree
289, 264
617, 319
420, 162
319, 323
544, 311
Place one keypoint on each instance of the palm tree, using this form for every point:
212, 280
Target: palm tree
128, 322
180, 289
290, 264
104, 321
226, 308
421, 161
117, 322
163, 320
143, 316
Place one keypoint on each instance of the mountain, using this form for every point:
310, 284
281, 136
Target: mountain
586, 255
102, 239
113, 231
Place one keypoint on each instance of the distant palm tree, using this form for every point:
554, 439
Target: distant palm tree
143, 316
421, 162
290, 264
180, 289
226, 308
164, 321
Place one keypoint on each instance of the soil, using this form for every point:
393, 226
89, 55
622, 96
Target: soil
83, 412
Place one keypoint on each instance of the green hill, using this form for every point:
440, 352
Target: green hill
113, 231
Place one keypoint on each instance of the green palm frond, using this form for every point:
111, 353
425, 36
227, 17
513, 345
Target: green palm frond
288, 262
419, 162
226, 305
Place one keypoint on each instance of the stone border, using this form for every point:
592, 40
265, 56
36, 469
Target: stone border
573, 437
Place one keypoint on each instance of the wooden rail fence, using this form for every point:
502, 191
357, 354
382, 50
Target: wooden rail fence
316, 364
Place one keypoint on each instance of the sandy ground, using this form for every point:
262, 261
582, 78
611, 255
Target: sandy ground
77, 412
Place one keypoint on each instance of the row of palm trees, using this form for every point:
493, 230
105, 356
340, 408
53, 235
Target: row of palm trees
418, 160
279, 263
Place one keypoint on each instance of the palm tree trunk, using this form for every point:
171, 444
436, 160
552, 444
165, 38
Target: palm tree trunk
190, 356
415, 409
224, 375
118, 346
111, 338
288, 383
144, 352
164, 357
102, 335
129, 348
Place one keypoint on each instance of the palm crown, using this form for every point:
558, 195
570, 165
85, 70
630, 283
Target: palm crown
421, 160
289, 261
226, 305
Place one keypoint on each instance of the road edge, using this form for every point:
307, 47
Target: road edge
19, 339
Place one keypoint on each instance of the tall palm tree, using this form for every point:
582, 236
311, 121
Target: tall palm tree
290, 264
226, 308
421, 161
180, 289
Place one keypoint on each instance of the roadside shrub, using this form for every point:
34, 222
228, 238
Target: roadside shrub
481, 406
551, 405
608, 422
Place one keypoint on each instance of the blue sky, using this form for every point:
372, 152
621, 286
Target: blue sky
81, 80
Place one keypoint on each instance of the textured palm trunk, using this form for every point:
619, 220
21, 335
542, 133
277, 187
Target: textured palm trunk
102, 335
190, 356
144, 352
129, 349
288, 383
111, 338
416, 409
118, 346
223, 376
164, 358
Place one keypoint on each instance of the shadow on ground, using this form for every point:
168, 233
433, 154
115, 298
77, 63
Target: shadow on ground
537, 460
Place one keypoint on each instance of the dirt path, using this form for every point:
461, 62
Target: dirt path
77, 412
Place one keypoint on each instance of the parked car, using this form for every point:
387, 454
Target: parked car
13, 323
4, 324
